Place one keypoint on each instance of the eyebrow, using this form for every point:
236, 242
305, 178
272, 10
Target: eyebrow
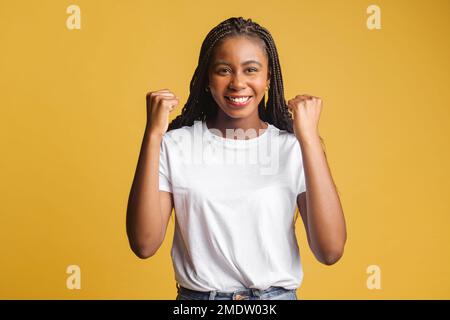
243, 63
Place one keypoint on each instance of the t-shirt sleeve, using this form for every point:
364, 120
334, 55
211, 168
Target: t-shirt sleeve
301, 184
165, 183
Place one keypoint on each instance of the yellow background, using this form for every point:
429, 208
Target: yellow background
73, 116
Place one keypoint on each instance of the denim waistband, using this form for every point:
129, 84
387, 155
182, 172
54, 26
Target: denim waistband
234, 295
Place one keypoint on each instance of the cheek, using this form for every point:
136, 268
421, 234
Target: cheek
261, 83
217, 82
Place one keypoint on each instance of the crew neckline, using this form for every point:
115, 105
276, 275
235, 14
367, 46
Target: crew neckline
236, 142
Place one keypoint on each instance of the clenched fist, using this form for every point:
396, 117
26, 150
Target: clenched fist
306, 113
159, 104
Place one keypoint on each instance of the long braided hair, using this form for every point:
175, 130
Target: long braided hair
201, 105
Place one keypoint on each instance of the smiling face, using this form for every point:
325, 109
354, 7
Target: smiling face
239, 68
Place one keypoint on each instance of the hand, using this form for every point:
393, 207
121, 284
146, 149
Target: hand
159, 104
305, 110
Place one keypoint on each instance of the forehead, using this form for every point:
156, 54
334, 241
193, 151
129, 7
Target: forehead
240, 48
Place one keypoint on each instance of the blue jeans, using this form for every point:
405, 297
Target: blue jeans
272, 293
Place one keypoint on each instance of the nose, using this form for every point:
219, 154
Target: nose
236, 82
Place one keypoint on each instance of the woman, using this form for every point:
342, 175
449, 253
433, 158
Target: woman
235, 167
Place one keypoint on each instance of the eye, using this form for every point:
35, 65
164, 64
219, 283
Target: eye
252, 69
222, 70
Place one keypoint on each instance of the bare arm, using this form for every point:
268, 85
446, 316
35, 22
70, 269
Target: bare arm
320, 206
149, 209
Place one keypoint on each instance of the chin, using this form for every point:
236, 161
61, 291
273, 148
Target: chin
237, 114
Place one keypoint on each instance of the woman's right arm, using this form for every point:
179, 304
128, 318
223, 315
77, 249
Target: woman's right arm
149, 209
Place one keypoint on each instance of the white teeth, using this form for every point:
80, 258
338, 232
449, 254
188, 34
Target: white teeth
240, 100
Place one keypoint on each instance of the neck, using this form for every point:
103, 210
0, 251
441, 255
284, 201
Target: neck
223, 122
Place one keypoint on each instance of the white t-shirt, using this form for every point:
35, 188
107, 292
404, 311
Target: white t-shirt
234, 203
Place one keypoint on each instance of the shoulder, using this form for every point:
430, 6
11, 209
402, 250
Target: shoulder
180, 133
181, 139
286, 143
285, 137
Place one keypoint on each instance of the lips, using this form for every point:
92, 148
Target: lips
239, 101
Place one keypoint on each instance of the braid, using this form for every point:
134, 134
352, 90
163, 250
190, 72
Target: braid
201, 105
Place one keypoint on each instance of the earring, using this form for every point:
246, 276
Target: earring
206, 89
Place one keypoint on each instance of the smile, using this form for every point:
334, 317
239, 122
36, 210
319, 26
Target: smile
241, 101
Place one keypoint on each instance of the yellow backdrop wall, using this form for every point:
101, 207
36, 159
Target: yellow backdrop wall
73, 115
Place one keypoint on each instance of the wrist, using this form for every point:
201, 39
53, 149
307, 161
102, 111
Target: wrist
152, 135
308, 137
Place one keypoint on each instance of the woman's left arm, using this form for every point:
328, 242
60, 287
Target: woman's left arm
324, 217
